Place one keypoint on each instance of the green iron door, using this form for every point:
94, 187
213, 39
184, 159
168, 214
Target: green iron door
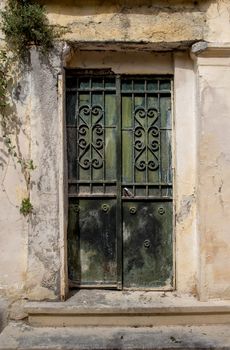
119, 181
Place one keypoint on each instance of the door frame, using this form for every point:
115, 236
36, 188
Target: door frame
181, 67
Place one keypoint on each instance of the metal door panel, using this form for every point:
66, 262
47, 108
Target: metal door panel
147, 244
146, 183
92, 242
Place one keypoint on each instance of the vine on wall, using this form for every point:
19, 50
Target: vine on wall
24, 23
10, 126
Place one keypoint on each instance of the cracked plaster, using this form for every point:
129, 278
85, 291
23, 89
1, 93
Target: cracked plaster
30, 254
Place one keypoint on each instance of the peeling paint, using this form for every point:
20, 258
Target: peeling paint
124, 36
185, 207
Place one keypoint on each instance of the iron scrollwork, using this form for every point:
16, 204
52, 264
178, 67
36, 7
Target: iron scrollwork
146, 139
90, 136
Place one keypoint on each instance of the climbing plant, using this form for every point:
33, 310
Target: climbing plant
10, 125
24, 23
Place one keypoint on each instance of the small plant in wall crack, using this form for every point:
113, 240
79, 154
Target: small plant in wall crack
26, 207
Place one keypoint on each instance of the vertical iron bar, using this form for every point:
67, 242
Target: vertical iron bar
104, 129
77, 125
147, 141
160, 163
119, 177
133, 124
90, 134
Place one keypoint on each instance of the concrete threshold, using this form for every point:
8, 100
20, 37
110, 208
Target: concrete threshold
127, 309
24, 337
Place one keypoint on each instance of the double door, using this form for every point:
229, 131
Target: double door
119, 180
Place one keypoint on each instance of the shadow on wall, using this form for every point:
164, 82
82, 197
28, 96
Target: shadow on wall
13, 127
3, 314
146, 7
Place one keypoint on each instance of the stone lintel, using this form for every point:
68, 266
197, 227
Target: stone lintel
130, 45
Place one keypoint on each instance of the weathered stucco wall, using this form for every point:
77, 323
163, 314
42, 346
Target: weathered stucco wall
30, 260
213, 73
163, 23
13, 226
218, 23
185, 174
43, 275
134, 21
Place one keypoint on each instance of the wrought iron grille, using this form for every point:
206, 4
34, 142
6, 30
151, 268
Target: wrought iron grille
146, 137
119, 123
91, 128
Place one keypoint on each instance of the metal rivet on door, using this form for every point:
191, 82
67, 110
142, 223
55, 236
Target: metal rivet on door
105, 207
161, 210
133, 210
147, 243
